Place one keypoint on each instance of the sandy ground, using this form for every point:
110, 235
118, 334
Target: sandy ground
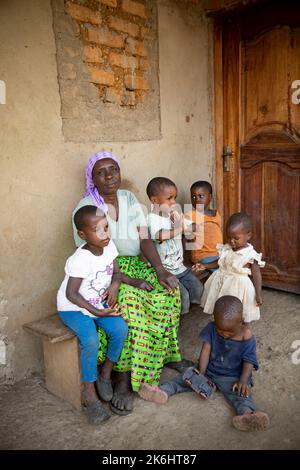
32, 418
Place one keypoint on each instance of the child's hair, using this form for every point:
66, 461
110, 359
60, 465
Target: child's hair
228, 307
156, 184
240, 218
80, 216
202, 184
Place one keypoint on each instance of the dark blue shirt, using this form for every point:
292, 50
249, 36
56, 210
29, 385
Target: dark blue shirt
228, 355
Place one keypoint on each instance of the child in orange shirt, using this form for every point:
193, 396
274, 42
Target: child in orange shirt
206, 251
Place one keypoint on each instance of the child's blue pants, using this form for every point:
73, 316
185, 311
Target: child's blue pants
223, 383
85, 328
191, 290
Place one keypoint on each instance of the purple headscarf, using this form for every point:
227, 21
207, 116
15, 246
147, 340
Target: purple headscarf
91, 189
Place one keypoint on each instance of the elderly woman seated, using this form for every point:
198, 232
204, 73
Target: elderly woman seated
151, 302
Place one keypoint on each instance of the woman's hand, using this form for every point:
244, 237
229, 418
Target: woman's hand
111, 294
166, 279
141, 284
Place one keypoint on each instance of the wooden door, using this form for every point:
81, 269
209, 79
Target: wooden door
257, 63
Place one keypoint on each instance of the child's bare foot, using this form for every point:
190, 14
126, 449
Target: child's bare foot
94, 409
152, 393
88, 395
257, 421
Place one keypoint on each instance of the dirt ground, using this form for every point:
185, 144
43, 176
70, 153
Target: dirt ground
32, 418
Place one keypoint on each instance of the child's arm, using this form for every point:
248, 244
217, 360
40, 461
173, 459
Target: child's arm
163, 235
167, 234
256, 279
201, 266
241, 387
72, 294
111, 293
204, 357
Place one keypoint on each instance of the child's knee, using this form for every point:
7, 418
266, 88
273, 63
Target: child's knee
91, 342
122, 329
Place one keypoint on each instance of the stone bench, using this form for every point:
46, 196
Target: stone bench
61, 358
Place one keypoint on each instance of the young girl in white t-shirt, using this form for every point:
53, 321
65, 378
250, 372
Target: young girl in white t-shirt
87, 298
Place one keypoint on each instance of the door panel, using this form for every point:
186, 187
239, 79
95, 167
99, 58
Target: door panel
267, 69
261, 124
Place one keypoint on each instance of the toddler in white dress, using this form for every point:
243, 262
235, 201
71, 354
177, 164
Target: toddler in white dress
237, 261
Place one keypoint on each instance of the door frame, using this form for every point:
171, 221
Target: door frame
227, 117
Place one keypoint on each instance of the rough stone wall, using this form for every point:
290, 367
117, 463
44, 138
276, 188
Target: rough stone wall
108, 69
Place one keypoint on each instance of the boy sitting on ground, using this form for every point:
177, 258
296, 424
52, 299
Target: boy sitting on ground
227, 358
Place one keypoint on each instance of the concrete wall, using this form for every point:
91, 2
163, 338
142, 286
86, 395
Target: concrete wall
42, 176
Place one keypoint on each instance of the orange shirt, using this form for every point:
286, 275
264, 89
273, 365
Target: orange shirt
207, 237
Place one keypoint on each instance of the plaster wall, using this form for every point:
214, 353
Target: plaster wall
42, 176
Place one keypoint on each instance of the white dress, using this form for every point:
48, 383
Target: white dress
232, 279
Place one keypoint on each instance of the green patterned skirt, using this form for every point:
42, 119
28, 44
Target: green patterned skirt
153, 321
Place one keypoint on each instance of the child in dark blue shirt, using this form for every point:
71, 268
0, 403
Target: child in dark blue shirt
227, 358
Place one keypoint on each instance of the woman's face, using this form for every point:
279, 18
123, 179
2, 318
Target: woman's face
106, 176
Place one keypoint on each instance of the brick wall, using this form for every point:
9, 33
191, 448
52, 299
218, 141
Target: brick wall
115, 36
107, 63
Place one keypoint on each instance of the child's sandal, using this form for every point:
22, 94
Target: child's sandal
152, 393
256, 421
198, 382
104, 388
96, 413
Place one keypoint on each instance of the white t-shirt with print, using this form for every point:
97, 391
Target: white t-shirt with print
96, 272
170, 251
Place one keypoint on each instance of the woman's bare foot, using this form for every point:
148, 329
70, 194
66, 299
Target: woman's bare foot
122, 400
152, 393
257, 421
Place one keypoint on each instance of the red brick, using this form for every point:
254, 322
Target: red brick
124, 26
145, 31
109, 3
122, 60
102, 77
105, 38
144, 64
84, 14
135, 47
134, 8
134, 82
92, 54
